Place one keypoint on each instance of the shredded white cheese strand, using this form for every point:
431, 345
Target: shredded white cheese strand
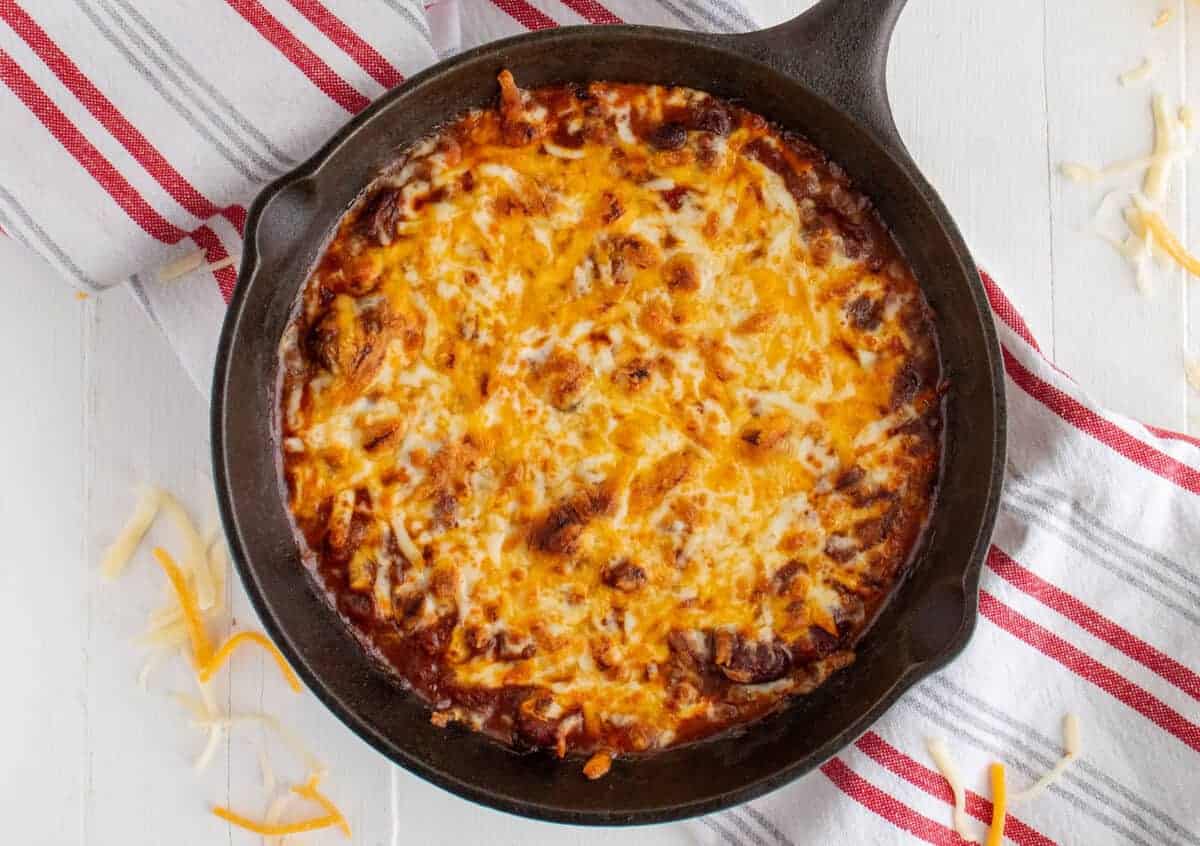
275, 813
191, 262
268, 773
150, 665
228, 261
1191, 369
181, 266
170, 636
1071, 746
221, 722
946, 766
1155, 185
1142, 72
126, 543
218, 565
1086, 174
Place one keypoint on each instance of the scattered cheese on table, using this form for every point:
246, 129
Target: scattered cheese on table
197, 586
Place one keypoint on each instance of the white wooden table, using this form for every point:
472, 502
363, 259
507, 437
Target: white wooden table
990, 98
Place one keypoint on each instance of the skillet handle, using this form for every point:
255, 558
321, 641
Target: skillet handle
839, 49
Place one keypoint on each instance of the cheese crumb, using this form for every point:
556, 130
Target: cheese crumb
1191, 368
1142, 72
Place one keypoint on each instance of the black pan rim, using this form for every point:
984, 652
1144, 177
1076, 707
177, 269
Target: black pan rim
234, 325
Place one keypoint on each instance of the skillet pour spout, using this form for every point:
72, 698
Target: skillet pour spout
821, 75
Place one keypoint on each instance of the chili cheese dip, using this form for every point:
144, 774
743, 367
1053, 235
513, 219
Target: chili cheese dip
609, 417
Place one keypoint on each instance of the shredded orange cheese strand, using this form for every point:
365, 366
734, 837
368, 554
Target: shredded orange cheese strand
209, 669
1167, 240
196, 559
309, 791
999, 806
268, 830
201, 646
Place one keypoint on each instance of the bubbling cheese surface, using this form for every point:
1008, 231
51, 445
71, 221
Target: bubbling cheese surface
609, 417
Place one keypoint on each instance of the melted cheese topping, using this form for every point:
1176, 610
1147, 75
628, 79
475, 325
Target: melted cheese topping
610, 416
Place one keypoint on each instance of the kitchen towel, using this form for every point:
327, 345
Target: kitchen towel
137, 132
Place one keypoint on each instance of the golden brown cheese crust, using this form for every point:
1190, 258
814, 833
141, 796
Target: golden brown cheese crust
609, 417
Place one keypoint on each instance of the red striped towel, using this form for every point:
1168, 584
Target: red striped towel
129, 141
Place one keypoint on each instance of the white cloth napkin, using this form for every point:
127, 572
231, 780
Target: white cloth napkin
136, 131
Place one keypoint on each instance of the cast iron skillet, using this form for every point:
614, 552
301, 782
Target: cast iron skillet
822, 75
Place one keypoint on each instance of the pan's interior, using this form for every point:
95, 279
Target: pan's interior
931, 613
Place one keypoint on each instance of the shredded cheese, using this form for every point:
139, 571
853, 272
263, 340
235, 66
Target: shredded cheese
268, 773
1191, 369
171, 628
203, 719
1157, 174
218, 564
946, 766
228, 261
1163, 17
197, 556
1079, 172
234, 641
1142, 72
1186, 117
267, 830
131, 534
150, 665
206, 755
1071, 750
201, 646
169, 636
999, 805
275, 814
181, 266
190, 262
1166, 239
308, 790
1083, 173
